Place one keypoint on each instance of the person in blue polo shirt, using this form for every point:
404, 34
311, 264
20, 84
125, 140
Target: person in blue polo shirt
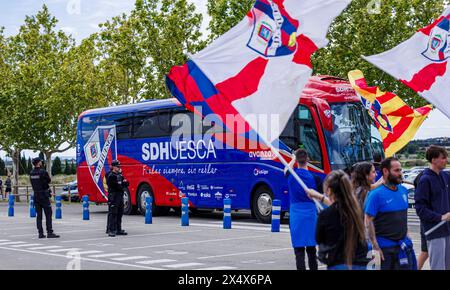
386, 219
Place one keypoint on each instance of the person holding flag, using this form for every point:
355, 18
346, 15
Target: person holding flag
432, 202
303, 214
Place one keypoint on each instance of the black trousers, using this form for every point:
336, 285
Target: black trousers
115, 214
391, 261
300, 258
47, 209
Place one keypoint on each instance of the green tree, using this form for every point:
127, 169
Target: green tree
56, 167
356, 32
23, 165
50, 82
2, 167
29, 165
225, 14
73, 168
137, 50
67, 169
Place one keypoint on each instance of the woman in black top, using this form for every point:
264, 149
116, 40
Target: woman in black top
340, 227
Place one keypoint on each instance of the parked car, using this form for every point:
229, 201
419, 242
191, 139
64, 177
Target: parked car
73, 192
411, 190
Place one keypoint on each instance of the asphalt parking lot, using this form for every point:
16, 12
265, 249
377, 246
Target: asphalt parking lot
163, 245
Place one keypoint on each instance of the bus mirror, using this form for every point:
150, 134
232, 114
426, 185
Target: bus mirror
325, 113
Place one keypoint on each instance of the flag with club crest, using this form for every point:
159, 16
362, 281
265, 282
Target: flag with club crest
395, 120
422, 62
258, 67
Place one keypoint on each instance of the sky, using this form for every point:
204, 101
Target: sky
81, 18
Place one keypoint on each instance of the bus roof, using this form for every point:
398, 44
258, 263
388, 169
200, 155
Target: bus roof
331, 89
130, 108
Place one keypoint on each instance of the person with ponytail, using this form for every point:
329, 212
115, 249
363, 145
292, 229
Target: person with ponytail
340, 227
363, 178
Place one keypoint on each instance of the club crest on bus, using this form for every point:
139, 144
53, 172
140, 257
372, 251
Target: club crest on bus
101, 149
274, 32
375, 111
438, 49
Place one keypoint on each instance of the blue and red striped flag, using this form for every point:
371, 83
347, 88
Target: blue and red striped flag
258, 67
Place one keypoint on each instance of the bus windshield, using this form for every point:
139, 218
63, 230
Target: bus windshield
350, 140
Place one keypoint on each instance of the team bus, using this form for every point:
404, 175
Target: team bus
329, 122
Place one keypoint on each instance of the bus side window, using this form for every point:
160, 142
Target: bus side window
122, 123
88, 126
185, 123
152, 124
309, 136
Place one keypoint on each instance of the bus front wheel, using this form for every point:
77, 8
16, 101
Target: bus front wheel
262, 204
144, 192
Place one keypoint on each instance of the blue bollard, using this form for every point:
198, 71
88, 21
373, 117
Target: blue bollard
148, 211
32, 209
85, 208
227, 213
58, 211
276, 213
185, 212
11, 206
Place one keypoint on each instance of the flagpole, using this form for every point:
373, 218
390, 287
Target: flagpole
435, 228
291, 170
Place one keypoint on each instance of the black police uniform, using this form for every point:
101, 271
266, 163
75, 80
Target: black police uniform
116, 188
40, 182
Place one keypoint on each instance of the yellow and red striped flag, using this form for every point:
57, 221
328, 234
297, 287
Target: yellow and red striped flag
396, 121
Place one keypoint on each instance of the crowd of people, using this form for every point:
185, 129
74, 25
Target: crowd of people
347, 222
365, 222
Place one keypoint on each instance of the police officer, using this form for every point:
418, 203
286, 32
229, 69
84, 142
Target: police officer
40, 182
116, 186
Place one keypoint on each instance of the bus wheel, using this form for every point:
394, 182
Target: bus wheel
262, 204
144, 192
128, 207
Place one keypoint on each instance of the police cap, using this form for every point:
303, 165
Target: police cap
115, 163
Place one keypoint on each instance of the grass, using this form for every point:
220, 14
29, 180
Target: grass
24, 180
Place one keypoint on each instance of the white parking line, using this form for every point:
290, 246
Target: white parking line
130, 258
89, 252
195, 242
267, 229
133, 236
65, 250
107, 255
217, 268
26, 245
4, 241
97, 229
152, 262
11, 243
83, 259
257, 225
244, 253
185, 265
45, 248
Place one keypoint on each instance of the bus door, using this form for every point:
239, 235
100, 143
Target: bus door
154, 128
184, 136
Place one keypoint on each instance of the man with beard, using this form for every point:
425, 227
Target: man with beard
386, 219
